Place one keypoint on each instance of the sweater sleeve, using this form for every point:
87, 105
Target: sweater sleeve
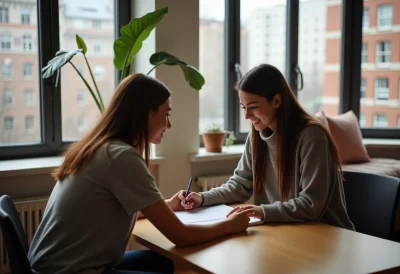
239, 188
315, 184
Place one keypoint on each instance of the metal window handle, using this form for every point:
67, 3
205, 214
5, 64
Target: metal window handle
298, 71
238, 72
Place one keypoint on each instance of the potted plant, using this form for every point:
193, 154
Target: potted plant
214, 138
125, 48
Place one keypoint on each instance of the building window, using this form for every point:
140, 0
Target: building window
3, 15
364, 53
7, 71
8, 123
398, 121
383, 52
27, 41
28, 70
380, 120
363, 122
82, 123
97, 47
81, 97
385, 13
29, 100
96, 24
382, 89
5, 42
8, 97
29, 122
365, 19
363, 88
98, 72
25, 16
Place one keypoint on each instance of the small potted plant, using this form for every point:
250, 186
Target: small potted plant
214, 138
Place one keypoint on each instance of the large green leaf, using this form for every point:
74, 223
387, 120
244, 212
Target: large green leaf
61, 58
133, 35
81, 44
192, 75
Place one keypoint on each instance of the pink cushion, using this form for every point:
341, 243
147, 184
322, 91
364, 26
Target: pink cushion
347, 135
322, 118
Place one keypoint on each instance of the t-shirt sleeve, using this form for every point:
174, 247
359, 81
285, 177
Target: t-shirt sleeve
132, 183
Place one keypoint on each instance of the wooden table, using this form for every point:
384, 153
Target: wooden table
286, 248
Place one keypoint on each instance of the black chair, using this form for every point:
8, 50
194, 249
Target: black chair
372, 202
14, 237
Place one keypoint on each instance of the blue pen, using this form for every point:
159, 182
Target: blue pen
188, 189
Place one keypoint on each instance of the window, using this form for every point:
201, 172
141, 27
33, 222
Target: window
3, 15
383, 52
27, 42
28, 70
81, 97
29, 122
363, 122
384, 17
380, 120
25, 16
98, 72
82, 123
398, 121
381, 89
97, 47
96, 24
364, 53
5, 42
7, 70
365, 19
363, 89
54, 118
8, 97
29, 99
8, 123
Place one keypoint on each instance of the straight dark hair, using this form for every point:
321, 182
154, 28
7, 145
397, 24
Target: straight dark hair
125, 119
267, 81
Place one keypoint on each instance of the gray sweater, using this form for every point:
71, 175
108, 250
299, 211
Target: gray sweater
316, 192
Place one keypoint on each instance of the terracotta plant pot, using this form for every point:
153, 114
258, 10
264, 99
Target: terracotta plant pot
213, 141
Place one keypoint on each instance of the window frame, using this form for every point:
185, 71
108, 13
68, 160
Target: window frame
379, 15
350, 62
50, 96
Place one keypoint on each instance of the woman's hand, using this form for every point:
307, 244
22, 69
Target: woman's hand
250, 210
238, 222
177, 202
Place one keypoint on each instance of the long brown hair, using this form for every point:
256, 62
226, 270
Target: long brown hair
267, 81
125, 119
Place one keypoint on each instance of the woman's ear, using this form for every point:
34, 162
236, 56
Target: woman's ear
277, 101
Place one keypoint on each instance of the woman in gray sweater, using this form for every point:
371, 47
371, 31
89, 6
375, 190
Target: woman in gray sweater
290, 163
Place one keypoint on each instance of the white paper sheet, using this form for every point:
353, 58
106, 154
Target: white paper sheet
209, 215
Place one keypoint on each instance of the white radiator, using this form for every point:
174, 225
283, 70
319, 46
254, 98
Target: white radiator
208, 182
30, 213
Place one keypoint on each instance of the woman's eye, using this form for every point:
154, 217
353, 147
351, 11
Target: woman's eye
254, 108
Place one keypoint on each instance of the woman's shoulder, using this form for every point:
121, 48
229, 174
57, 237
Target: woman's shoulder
116, 148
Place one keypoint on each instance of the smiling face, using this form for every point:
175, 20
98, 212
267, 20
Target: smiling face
259, 110
159, 122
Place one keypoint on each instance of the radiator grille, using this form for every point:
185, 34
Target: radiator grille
208, 182
30, 213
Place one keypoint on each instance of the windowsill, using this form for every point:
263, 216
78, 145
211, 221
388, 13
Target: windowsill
235, 152
44, 165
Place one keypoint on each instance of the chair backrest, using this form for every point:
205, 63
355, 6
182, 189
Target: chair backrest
14, 236
371, 201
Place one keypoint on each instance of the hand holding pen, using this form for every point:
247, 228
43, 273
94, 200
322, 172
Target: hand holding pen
190, 200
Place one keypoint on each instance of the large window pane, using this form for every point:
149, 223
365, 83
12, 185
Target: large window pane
263, 37
380, 71
93, 20
320, 24
19, 79
212, 18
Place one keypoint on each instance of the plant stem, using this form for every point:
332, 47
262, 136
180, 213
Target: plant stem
94, 82
89, 88
123, 72
155, 67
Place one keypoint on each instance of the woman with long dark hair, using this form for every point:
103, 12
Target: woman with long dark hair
104, 182
290, 163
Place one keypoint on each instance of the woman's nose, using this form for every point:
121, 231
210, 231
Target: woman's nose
169, 124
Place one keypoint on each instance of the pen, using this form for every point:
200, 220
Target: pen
188, 189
